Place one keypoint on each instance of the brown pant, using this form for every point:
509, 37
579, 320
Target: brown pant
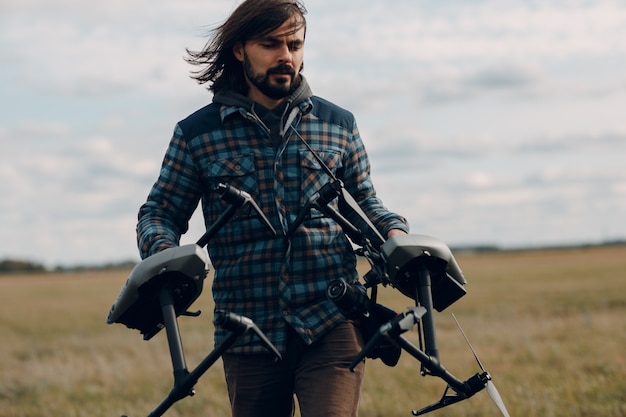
318, 375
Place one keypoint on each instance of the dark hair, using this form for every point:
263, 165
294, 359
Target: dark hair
251, 20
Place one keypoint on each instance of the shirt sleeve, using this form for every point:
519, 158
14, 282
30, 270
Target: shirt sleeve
358, 183
165, 215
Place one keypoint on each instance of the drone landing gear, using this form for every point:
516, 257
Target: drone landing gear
425, 270
163, 286
184, 380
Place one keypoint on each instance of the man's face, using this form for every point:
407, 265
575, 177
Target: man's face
272, 63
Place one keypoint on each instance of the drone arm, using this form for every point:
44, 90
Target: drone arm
326, 194
432, 364
217, 225
391, 330
445, 401
239, 198
472, 386
236, 199
349, 229
183, 385
240, 325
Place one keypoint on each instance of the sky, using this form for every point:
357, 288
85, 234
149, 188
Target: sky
487, 122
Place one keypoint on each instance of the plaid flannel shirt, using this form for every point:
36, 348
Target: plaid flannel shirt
275, 282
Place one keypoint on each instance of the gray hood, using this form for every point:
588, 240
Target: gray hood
232, 98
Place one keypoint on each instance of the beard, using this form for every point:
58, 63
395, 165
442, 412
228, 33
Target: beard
278, 90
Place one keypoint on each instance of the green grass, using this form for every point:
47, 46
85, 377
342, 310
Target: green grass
550, 326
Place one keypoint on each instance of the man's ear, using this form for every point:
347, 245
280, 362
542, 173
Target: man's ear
238, 51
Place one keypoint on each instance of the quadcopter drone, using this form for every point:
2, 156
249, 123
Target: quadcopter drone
163, 286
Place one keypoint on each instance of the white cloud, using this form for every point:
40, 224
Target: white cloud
422, 32
493, 121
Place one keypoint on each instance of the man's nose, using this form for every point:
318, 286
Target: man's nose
285, 55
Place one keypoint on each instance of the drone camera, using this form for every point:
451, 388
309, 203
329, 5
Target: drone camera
351, 299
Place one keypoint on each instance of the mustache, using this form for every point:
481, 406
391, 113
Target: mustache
282, 69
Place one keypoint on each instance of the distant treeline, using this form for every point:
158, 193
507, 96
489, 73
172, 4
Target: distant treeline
13, 266
8, 266
495, 248
487, 248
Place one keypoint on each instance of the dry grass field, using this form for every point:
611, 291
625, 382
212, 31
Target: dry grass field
550, 326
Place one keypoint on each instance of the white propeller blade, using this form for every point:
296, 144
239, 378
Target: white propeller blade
495, 396
491, 388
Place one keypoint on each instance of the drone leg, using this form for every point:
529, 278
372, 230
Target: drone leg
424, 295
184, 384
173, 335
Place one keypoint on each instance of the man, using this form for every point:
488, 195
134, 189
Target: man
252, 137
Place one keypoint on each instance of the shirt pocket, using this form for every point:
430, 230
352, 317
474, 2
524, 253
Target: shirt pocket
237, 171
314, 176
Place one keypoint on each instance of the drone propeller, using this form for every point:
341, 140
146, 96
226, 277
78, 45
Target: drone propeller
495, 396
491, 388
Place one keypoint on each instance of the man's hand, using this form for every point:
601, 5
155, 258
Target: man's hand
394, 232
